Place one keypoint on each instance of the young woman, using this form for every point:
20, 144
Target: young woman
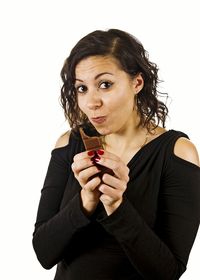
140, 221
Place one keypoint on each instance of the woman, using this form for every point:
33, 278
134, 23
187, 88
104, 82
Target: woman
139, 222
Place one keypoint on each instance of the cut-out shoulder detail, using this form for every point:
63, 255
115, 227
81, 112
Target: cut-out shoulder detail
186, 150
63, 140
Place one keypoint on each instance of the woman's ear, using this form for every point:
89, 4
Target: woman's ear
138, 83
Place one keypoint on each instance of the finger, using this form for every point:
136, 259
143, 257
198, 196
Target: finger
92, 184
114, 182
106, 154
110, 193
85, 175
80, 164
119, 168
83, 155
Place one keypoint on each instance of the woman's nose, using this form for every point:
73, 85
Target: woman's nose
94, 101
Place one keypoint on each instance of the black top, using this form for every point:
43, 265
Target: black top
149, 236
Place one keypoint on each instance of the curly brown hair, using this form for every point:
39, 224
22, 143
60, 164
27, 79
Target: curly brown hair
133, 59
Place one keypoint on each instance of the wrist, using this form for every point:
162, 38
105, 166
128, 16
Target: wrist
88, 205
112, 207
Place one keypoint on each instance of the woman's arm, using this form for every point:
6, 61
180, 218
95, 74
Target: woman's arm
54, 228
162, 253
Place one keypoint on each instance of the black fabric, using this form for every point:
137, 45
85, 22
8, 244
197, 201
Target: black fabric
148, 237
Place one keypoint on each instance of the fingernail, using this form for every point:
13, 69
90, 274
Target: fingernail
100, 152
91, 153
93, 159
96, 159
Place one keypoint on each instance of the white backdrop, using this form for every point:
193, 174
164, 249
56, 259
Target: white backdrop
36, 36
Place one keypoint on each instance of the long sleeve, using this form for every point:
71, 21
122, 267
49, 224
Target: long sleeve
149, 236
55, 227
161, 252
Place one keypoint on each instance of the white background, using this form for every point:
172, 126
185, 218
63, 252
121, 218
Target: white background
35, 38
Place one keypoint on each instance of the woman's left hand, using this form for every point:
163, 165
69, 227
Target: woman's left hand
112, 187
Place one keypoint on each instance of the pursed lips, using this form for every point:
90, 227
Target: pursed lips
99, 119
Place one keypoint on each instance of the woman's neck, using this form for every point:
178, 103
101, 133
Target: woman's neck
134, 138
126, 145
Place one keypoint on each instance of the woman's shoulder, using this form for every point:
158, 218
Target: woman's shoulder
70, 138
67, 145
178, 143
63, 140
185, 149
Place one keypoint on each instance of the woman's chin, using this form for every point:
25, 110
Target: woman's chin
103, 131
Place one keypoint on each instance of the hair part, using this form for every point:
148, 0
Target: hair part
132, 58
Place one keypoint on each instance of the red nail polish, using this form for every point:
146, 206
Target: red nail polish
91, 153
100, 152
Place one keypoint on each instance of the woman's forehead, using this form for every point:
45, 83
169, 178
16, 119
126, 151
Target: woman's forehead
94, 64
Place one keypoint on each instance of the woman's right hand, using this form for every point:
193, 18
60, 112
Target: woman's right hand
84, 169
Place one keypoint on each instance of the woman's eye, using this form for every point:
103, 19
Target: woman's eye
81, 89
105, 85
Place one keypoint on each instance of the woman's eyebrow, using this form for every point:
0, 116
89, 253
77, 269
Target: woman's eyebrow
97, 76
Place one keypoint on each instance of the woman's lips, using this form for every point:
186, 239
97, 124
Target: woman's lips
99, 120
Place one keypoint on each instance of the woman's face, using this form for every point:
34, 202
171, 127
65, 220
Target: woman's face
105, 93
